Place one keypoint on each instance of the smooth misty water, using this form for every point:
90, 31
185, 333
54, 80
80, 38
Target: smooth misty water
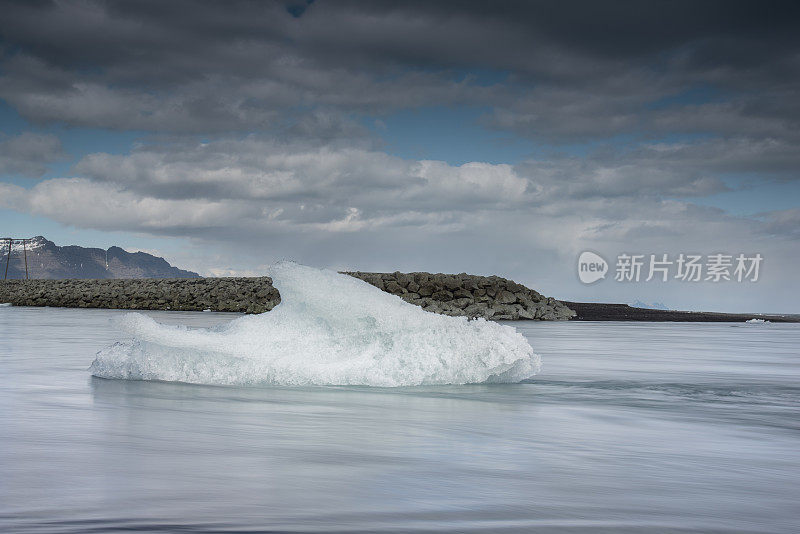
629, 428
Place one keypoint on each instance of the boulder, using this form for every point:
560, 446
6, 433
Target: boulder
442, 295
505, 297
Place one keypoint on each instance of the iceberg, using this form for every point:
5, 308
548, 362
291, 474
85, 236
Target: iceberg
329, 329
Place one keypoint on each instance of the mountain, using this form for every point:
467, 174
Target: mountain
653, 306
48, 260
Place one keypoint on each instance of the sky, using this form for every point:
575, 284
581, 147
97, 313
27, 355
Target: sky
483, 137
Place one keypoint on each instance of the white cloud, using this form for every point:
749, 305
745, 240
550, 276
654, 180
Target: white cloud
308, 184
86, 204
248, 202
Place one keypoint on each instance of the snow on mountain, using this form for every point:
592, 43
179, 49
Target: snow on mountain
653, 306
48, 260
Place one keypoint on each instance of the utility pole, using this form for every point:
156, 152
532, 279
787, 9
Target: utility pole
11, 241
25, 253
8, 257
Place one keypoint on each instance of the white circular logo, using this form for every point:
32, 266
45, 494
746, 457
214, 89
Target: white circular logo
591, 267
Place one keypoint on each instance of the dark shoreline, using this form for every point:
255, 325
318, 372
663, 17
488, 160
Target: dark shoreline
600, 311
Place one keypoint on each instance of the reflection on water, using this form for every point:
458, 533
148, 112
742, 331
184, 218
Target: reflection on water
629, 428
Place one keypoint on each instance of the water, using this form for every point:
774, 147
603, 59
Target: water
630, 427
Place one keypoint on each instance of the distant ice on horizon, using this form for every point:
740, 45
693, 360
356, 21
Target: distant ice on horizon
653, 306
329, 329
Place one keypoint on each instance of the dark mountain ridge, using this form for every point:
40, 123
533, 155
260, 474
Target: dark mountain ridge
47, 260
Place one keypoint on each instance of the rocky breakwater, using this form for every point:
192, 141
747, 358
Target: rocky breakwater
248, 295
490, 297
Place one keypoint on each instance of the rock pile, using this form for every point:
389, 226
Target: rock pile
248, 295
490, 297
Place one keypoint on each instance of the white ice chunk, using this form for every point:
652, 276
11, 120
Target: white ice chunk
328, 329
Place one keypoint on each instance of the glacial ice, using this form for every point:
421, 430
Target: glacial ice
329, 329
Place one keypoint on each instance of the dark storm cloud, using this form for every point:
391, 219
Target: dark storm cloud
28, 154
506, 35
558, 72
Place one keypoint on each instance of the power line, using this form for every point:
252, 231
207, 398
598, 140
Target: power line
11, 241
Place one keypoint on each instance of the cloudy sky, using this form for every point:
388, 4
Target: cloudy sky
485, 137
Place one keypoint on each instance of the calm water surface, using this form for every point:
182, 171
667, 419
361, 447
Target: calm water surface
629, 428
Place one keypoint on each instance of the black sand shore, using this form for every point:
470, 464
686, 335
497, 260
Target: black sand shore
598, 311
